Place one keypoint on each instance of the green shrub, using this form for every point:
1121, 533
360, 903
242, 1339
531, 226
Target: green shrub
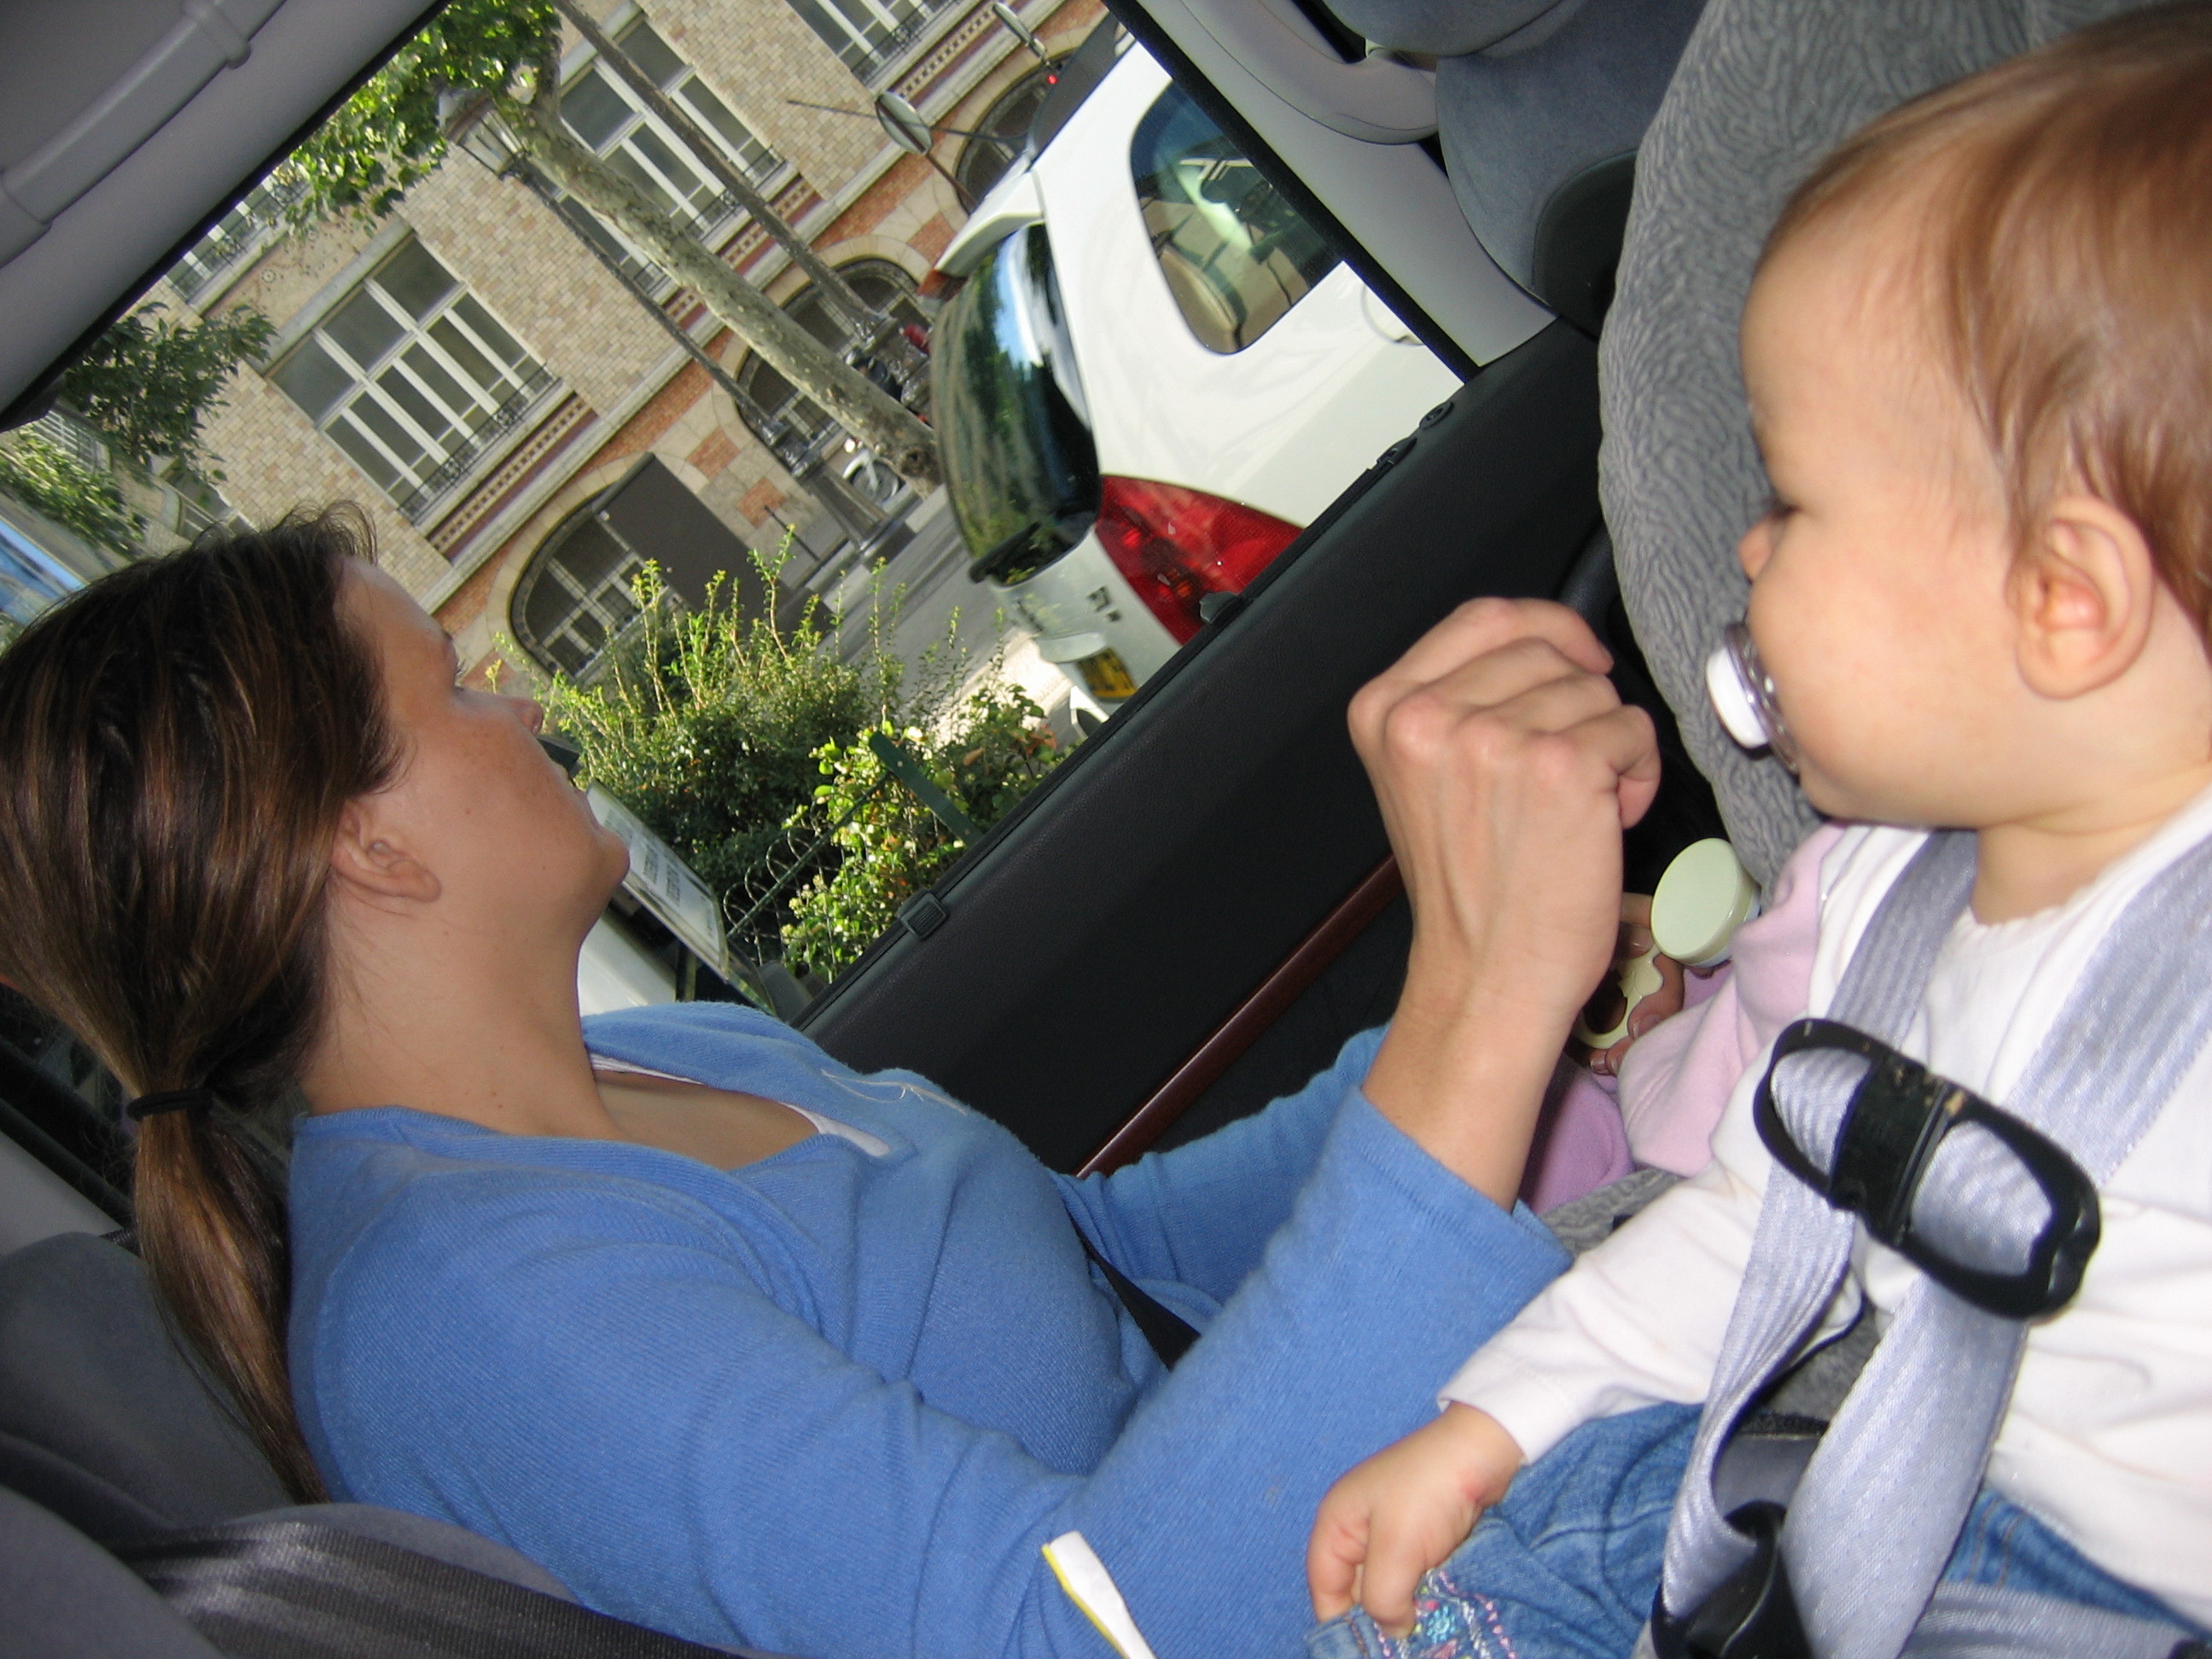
892, 845
42, 475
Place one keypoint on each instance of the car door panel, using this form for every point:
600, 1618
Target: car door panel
1095, 940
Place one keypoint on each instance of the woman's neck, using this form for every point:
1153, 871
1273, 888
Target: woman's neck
491, 1037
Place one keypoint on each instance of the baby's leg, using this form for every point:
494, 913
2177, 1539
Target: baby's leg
1565, 1568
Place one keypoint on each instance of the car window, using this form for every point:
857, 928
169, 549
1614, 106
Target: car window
1235, 255
1018, 457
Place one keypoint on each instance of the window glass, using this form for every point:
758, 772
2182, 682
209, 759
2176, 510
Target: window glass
1235, 255
364, 327
644, 47
576, 594
413, 277
424, 379
594, 110
311, 377
1019, 461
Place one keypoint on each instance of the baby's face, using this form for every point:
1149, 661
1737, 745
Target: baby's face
1878, 580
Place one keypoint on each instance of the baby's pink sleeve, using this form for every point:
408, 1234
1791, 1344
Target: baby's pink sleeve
1676, 1079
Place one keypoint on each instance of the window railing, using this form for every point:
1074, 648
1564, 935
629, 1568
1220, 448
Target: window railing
236, 237
510, 414
869, 36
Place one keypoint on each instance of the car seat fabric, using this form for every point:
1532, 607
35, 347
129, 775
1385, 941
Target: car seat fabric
67, 1598
1539, 106
1764, 90
103, 1417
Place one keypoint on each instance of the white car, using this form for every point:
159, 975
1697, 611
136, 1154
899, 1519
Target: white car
1153, 374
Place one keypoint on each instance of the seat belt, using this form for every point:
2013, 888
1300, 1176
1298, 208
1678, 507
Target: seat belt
278, 1588
1993, 1205
1169, 1333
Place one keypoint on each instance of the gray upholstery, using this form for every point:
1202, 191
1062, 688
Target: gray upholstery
1539, 106
103, 1419
1765, 87
64, 1597
1525, 117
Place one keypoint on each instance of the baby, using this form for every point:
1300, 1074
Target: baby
1979, 356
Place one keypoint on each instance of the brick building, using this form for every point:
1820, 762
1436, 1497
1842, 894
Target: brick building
499, 395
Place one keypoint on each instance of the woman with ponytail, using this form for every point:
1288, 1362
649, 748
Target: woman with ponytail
735, 1341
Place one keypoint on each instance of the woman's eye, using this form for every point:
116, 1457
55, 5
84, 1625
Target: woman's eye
1775, 509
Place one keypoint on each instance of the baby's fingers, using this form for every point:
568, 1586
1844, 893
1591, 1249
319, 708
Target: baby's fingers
1398, 1554
1334, 1555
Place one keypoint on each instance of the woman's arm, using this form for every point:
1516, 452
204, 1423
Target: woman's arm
1201, 1215
591, 1373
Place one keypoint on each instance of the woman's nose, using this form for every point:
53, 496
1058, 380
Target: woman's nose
531, 715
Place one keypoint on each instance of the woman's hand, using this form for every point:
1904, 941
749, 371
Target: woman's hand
1506, 765
1404, 1511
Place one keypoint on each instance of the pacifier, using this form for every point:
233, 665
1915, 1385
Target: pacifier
1743, 696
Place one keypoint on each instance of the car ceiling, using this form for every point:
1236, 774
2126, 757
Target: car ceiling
128, 125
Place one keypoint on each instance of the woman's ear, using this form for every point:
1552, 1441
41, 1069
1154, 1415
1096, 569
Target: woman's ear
369, 858
2083, 594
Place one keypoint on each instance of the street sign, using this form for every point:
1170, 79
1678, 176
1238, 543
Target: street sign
664, 884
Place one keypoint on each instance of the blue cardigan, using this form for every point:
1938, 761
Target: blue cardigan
831, 1404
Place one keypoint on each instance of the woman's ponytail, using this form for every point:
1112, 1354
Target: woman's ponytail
210, 1224
177, 745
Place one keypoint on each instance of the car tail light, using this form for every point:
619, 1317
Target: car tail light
1174, 546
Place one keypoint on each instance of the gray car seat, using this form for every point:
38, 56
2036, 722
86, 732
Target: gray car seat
1540, 105
1764, 90
137, 1520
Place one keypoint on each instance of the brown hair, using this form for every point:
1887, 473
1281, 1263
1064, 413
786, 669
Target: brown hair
2066, 265
176, 744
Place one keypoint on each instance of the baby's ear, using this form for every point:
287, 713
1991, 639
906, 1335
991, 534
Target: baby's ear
2083, 591
370, 858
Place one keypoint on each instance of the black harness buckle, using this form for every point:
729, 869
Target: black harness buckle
1898, 1117
1751, 1616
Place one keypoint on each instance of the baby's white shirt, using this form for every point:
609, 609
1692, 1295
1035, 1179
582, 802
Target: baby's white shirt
2109, 1435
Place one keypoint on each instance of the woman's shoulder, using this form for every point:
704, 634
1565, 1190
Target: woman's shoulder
411, 1198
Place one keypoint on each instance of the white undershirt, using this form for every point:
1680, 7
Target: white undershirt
871, 1144
2109, 1434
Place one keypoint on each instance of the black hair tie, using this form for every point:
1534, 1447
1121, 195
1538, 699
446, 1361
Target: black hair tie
169, 1100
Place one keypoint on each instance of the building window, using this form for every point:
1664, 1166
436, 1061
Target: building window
577, 595
413, 378
867, 35
237, 236
605, 114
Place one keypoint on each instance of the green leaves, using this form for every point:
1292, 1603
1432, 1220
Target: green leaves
148, 384
47, 477
998, 750
386, 137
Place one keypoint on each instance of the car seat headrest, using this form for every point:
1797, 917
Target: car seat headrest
1441, 29
1540, 105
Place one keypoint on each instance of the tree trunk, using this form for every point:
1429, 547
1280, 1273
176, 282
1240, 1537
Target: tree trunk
864, 318
855, 402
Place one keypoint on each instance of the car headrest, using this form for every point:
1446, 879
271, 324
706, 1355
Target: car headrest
1763, 91
103, 1418
1540, 105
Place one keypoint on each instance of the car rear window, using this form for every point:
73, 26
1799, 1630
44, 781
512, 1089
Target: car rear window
1235, 255
1014, 433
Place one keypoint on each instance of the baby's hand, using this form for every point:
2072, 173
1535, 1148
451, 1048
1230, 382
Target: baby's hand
1404, 1511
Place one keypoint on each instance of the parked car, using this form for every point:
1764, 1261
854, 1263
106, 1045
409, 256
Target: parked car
1153, 374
